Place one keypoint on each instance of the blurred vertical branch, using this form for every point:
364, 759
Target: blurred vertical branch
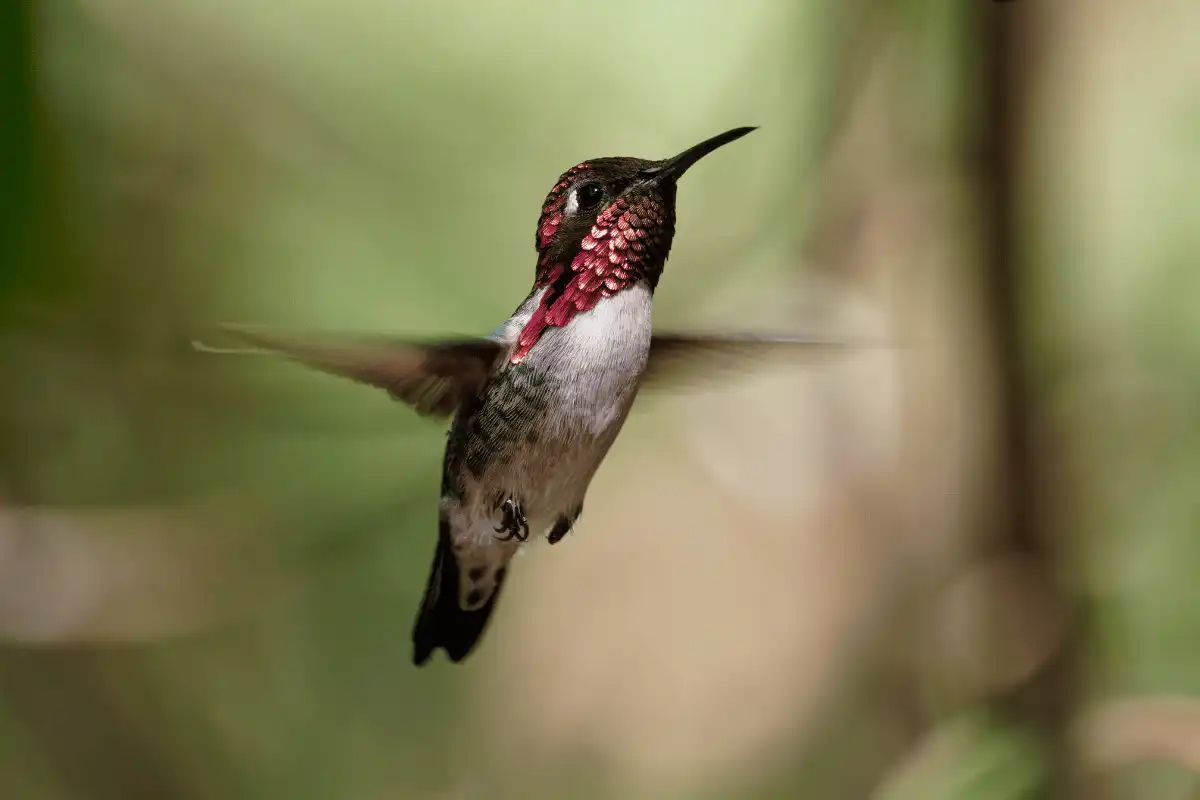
16, 144
16, 178
1045, 700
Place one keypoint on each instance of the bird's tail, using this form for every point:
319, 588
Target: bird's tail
442, 621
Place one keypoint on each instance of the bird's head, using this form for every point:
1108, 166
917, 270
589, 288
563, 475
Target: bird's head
613, 219
606, 225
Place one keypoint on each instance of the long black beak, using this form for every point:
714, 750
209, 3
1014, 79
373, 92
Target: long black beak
672, 168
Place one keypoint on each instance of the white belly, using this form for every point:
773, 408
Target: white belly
596, 362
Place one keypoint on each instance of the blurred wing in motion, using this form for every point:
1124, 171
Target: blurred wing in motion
679, 360
432, 377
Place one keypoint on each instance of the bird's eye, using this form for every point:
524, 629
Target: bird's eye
589, 194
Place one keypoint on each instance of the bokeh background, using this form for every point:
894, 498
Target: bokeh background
962, 565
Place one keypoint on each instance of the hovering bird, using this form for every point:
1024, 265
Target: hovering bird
537, 403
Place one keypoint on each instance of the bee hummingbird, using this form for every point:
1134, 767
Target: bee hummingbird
537, 403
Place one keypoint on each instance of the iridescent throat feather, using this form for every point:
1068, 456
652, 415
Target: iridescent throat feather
626, 244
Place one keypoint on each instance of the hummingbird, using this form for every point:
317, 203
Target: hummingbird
535, 405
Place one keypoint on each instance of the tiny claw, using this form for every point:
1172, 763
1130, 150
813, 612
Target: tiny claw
564, 526
510, 533
513, 525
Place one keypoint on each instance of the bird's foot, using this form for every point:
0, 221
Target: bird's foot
563, 527
513, 525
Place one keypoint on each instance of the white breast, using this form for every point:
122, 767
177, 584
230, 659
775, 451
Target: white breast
617, 323
600, 356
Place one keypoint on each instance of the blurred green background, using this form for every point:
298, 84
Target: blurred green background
209, 567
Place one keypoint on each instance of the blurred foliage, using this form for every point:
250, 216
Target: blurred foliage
367, 166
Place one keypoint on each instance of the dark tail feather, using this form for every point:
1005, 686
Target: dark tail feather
441, 621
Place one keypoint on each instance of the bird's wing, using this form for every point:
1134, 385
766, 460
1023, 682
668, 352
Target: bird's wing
432, 377
679, 360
